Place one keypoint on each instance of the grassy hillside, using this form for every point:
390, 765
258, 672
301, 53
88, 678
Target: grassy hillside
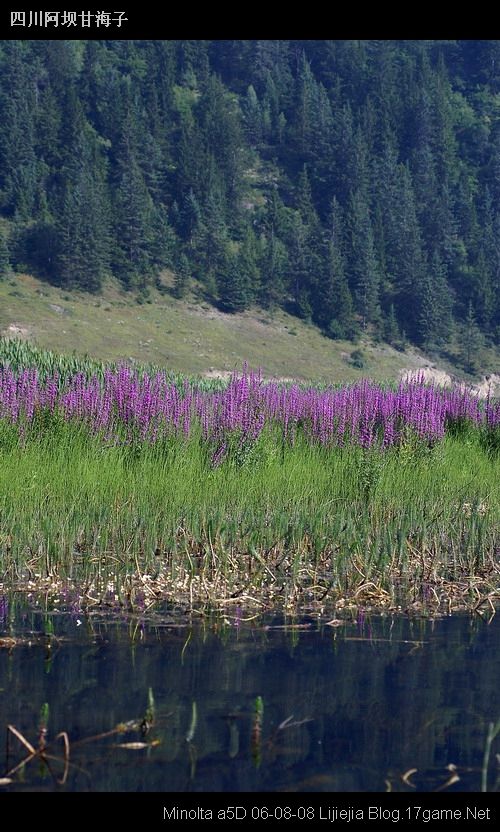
185, 336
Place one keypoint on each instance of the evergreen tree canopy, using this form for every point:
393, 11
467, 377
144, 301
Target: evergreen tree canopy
354, 183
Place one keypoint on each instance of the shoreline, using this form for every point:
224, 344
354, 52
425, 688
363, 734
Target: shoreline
140, 595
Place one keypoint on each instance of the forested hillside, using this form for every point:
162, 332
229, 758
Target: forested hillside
353, 183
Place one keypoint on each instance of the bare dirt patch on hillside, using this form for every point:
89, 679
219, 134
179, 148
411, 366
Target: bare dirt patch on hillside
16, 331
488, 386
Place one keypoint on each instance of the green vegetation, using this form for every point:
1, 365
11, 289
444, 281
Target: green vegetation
178, 334
352, 184
282, 526
258, 519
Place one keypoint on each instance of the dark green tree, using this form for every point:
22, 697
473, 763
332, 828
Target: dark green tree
273, 270
436, 321
82, 222
252, 116
248, 264
405, 255
392, 333
363, 270
5, 266
471, 343
163, 241
219, 121
210, 243
304, 202
232, 284
334, 308
182, 277
336, 313
190, 217
133, 215
20, 169
302, 273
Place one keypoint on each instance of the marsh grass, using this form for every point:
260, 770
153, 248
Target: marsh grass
275, 525
20, 355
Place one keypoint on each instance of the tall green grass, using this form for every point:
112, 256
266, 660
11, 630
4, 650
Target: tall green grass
284, 520
20, 355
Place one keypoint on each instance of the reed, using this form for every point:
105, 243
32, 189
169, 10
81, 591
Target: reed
139, 488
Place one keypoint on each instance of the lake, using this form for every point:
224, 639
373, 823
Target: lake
372, 704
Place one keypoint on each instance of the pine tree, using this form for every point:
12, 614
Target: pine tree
472, 342
304, 202
189, 217
219, 122
336, 313
302, 128
435, 323
248, 264
483, 278
343, 154
334, 309
386, 208
300, 269
134, 213
163, 241
82, 221
392, 333
277, 219
495, 283
5, 267
210, 242
405, 255
273, 268
232, 285
19, 167
252, 116
191, 160
363, 269
182, 277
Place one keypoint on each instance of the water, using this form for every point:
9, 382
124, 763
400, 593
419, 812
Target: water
347, 708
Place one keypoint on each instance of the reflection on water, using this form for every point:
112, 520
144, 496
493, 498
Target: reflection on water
350, 708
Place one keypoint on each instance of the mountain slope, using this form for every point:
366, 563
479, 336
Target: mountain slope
352, 184
188, 337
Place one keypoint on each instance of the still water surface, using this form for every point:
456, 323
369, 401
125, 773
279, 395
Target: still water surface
251, 707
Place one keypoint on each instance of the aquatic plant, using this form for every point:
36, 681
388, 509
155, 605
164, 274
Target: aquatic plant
122, 406
134, 486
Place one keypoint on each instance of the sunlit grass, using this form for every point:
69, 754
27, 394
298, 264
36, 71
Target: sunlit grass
283, 519
411, 521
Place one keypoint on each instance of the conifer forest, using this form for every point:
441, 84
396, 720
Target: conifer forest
355, 184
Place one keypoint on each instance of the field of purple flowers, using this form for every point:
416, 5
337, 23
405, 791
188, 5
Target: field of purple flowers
283, 489
124, 406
